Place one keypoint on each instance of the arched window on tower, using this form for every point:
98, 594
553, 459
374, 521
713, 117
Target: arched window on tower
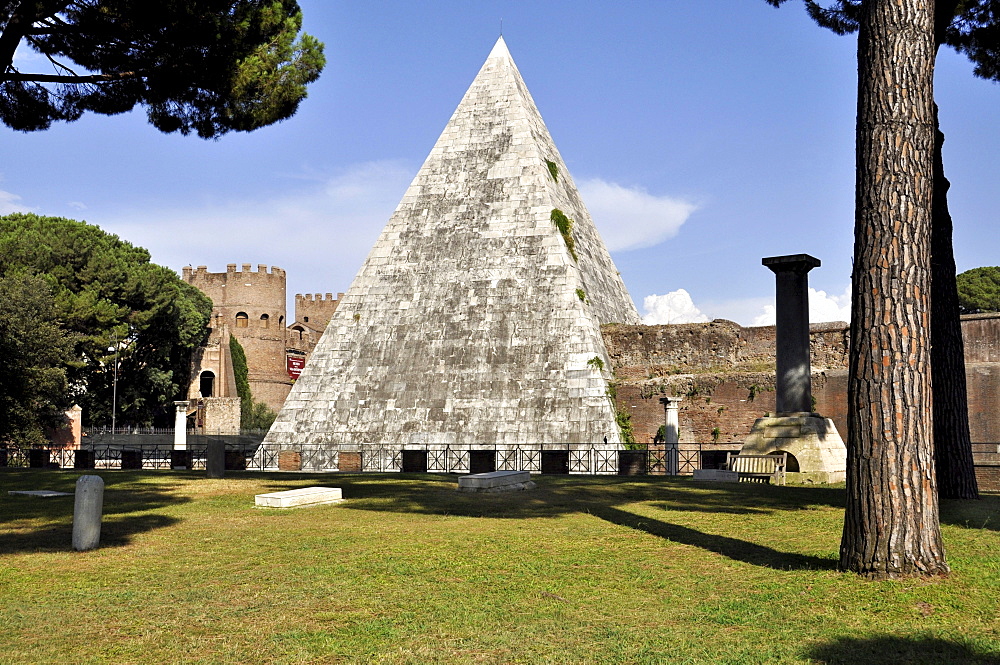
265, 321
242, 320
300, 330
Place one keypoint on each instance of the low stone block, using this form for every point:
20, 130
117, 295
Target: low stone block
496, 481
717, 475
306, 496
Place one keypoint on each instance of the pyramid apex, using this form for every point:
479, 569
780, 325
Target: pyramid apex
499, 50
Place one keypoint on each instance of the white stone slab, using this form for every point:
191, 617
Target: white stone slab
41, 493
718, 475
496, 481
306, 496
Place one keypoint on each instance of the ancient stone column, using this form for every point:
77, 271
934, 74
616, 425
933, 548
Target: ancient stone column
180, 425
88, 505
671, 433
794, 383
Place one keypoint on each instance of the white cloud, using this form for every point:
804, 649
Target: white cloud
319, 232
741, 311
673, 307
822, 308
631, 217
10, 203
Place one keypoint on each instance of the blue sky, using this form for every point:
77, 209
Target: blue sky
703, 135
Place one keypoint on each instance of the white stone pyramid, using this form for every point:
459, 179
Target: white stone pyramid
471, 322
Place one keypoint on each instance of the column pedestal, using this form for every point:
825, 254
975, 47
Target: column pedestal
816, 452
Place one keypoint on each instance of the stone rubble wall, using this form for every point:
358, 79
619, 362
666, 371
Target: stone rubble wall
725, 373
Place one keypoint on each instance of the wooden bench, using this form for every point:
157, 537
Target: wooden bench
759, 467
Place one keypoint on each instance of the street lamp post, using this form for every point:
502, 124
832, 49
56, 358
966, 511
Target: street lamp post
114, 386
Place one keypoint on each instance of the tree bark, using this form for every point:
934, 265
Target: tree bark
891, 526
956, 472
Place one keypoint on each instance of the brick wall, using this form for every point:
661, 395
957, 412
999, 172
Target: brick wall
316, 309
725, 373
988, 477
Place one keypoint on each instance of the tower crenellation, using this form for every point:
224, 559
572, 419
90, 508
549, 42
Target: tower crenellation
316, 309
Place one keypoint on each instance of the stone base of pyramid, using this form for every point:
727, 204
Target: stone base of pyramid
583, 458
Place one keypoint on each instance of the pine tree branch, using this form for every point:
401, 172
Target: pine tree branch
57, 78
20, 24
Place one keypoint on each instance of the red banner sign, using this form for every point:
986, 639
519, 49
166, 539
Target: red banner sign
295, 365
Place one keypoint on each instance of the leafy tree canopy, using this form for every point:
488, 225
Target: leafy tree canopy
204, 66
979, 290
36, 352
108, 295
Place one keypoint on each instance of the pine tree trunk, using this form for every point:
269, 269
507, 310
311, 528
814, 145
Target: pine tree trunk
956, 473
891, 524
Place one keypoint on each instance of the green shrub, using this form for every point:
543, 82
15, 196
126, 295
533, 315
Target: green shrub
565, 226
553, 169
624, 420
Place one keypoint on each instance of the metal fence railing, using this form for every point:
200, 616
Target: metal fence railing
246, 452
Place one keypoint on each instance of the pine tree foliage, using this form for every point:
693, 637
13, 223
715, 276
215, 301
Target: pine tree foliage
202, 66
979, 290
971, 27
36, 352
108, 297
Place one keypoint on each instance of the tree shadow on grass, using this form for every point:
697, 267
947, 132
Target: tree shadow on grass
734, 548
981, 514
559, 495
891, 650
115, 532
556, 495
599, 496
35, 524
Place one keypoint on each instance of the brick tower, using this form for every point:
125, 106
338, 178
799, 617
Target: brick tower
250, 304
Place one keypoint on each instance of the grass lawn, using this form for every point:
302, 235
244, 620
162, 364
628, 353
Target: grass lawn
578, 570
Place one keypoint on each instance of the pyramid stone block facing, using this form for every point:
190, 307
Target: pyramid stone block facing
472, 322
